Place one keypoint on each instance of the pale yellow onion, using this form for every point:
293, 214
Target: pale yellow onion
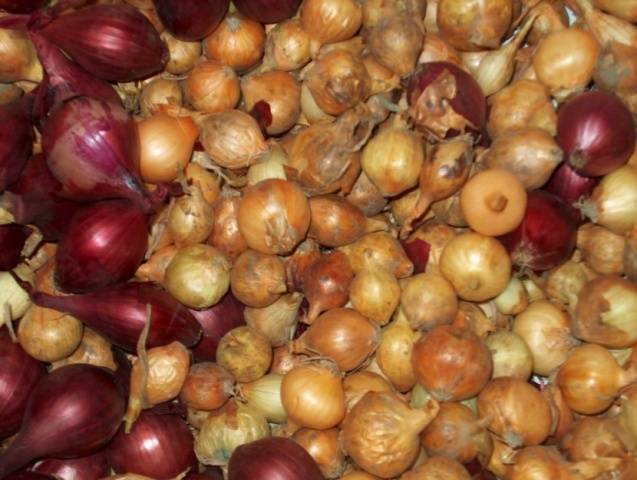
157, 92
601, 249
182, 55
288, 46
264, 396
513, 299
375, 293
330, 21
428, 300
395, 351
511, 355
12, 294
190, 218
93, 350
19, 58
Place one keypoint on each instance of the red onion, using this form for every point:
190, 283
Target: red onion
119, 313
273, 458
570, 186
113, 42
72, 412
158, 446
19, 374
597, 132
216, 321
267, 11
546, 236
104, 244
451, 89
211, 473
33, 200
16, 139
21, 6
63, 79
92, 467
29, 476
417, 251
12, 238
191, 19
92, 148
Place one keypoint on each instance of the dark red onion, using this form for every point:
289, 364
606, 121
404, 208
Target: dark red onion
216, 322
191, 19
33, 199
30, 476
546, 236
597, 132
417, 251
570, 186
92, 467
19, 374
16, 139
113, 42
103, 245
72, 412
21, 6
92, 148
211, 473
12, 238
453, 87
267, 11
273, 458
118, 312
64, 79
158, 446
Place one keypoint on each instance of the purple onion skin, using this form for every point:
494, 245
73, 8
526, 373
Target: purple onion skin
597, 132
65, 79
571, 187
16, 139
267, 11
19, 374
72, 412
547, 235
30, 476
103, 245
92, 147
216, 321
191, 20
21, 6
212, 473
92, 467
158, 446
12, 238
113, 42
118, 312
33, 199
272, 458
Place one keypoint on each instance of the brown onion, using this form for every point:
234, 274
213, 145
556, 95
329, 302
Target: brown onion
396, 42
207, 386
380, 249
326, 284
336, 221
237, 42
283, 360
428, 300
357, 384
245, 353
592, 437
330, 21
212, 87
366, 196
452, 363
511, 355
288, 46
601, 249
325, 449
375, 10
257, 279
93, 350
394, 353
438, 468
225, 234
375, 293
278, 321
157, 92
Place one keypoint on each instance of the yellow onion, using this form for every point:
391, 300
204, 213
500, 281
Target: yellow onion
93, 350
565, 281
428, 300
212, 87
48, 335
313, 395
257, 279
207, 181
12, 294
366, 196
357, 384
438, 468
375, 294
601, 249
396, 42
157, 92
382, 78
207, 387
375, 10
245, 353
330, 21
190, 218
379, 249
270, 166
288, 46
381, 433
264, 396
237, 42
324, 447
513, 299
182, 55
511, 355
394, 353
223, 432
277, 321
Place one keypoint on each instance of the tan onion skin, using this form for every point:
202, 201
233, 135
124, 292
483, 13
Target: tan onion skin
438, 468
258, 279
324, 447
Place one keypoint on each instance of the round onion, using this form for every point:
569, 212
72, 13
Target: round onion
511, 355
257, 279
325, 449
245, 353
212, 87
238, 42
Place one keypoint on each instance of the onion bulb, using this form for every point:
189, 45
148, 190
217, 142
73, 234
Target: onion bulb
381, 433
325, 449
438, 468
245, 353
157, 92
357, 384
93, 350
48, 335
288, 46
278, 321
428, 300
190, 219
257, 279
330, 21
183, 55
237, 42
394, 353
601, 249
396, 42
212, 87
264, 396
375, 294
381, 250
511, 355
207, 387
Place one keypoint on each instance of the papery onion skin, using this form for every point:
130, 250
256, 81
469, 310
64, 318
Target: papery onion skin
268, 11
331, 21
246, 353
438, 468
191, 19
113, 42
597, 132
274, 458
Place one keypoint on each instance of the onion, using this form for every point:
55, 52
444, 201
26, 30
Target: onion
511, 356
153, 437
607, 28
324, 447
437, 107
618, 8
396, 42
19, 374
264, 396
601, 249
515, 411
591, 438
597, 133
379, 249
190, 219
119, 313
106, 165
207, 387
245, 353
274, 216
381, 433
375, 294
366, 196
335, 221
20, 60
547, 331
112, 42
191, 20
313, 395
92, 467
212, 87
438, 468
73, 411
331, 21
274, 458
591, 379
570, 186
238, 42
183, 55
428, 300
257, 279
359, 383
614, 201
546, 237
287, 46
223, 432
565, 282
522, 104
216, 321
616, 68
326, 284
341, 334
474, 25
12, 238
277, 321
157, 92
394, 353
16, 137
513, 299
104, 244
268, 11
452, 363
21, 6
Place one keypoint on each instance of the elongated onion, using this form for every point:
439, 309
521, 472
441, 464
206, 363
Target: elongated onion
394, 354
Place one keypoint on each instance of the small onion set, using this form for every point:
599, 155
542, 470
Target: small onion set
318, 239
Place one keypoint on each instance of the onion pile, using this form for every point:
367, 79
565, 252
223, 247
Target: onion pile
318, 239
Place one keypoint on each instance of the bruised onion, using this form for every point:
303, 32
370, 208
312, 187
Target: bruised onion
207, 387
